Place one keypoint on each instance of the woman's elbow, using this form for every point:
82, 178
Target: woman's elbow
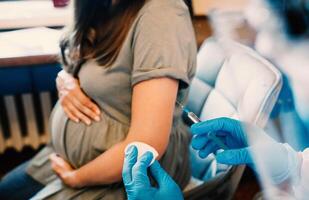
159, 143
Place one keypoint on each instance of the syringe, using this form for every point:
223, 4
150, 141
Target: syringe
194, 119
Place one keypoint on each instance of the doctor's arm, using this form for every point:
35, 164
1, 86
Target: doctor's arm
153, 104
248, 144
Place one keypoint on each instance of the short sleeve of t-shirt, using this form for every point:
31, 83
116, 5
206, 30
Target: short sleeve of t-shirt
164, 44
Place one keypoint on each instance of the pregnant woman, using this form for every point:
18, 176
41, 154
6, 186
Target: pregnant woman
131, 61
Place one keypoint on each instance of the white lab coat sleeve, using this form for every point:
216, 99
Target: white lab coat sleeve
301, 189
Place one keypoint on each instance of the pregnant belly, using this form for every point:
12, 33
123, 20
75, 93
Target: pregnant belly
79, 143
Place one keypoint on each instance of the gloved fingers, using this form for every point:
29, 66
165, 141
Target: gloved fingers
159, 174
199, 141
222, 134
211, 147
215, 125
129, 161
139, 171
166, 184
235, 156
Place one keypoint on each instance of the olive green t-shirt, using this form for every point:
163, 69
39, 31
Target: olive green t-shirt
160, 43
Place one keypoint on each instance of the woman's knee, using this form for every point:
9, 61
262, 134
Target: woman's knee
18, 185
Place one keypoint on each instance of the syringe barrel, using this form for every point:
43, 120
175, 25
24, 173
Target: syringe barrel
193, 118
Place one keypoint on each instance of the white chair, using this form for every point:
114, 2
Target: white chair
231, 81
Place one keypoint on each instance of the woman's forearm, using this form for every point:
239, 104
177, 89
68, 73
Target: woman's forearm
107, 167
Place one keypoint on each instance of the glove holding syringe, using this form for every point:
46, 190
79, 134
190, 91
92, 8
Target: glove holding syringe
194, 119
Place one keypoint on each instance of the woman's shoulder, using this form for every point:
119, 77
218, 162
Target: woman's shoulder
164, 15
165, 8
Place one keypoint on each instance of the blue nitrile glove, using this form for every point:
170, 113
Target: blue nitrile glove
137, 182
229, 131
279, 161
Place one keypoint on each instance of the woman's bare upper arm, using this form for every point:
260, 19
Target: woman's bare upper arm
153, 103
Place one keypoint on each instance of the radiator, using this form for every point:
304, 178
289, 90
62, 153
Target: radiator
24, 120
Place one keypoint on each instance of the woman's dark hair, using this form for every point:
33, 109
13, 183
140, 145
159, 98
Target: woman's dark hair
98, 31
295, 15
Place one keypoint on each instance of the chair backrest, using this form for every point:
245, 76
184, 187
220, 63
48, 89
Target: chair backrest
231, 81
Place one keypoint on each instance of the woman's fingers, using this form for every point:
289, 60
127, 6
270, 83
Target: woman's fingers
70, 115
76, 110
77, 113
95, 108
80, 95
59, 165
84, 108
73, 113
87, 107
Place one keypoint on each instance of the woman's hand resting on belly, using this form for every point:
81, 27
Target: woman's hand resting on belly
77, 106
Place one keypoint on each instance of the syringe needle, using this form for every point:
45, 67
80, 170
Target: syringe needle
195, 120
182, 106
